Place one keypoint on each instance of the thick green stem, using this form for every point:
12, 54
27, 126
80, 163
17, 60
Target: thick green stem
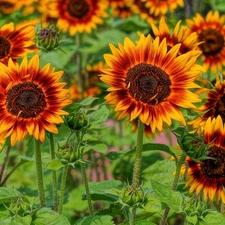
137, 163
62, 188
54, 182
175, 183
137, 167
39, 174
3, 166
84, 174
12, 171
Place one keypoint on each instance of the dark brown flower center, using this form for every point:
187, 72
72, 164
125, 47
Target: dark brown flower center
77, 8
213, 41
4, 5
148, 84
25, 100
220, 108
214, 168
4, 47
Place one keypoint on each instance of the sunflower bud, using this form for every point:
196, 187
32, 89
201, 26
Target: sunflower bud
192, 144
132, 196
76, 122
67, 154
47, 39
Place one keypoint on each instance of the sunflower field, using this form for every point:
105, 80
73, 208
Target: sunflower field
112, 112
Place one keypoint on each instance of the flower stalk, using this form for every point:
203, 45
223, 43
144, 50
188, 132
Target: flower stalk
62, 188
39, 174
54, 182
175, 183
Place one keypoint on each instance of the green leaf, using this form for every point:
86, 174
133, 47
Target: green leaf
192, 219
144, 223
55, 164
96, 220
161, 171
214, 218
99, 116
87, 101
105, 190
97, 146
2, 157
46, 216
146, 147
8, 194
153, 205
172, 198
17, 220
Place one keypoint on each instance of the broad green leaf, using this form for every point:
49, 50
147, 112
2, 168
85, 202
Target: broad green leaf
55, 164
16, 220
8, 194
97, 146
46, 216
214, 218
105, 190
146, 147
87, 101
161, 171
153, 205
172, 198
192, 219
99, 116
96, 220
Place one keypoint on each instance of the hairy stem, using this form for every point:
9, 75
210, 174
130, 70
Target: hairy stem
62, 188
39, 174
174, 187
54, 181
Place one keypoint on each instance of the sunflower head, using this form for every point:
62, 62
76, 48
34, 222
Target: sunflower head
145, 81
208, 176
211, 33
32, 99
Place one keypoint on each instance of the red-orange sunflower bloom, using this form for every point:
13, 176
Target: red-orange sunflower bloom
213, 106
208, 176
31, 100
78, 15
161, 7
16, 42
180, 34
149, 82
211, 32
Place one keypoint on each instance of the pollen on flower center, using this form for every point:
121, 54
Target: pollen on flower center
77, 8
25, 100
148, 84
214, 168
213, 41
4, 47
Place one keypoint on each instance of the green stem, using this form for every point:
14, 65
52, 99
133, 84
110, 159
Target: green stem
39, 174
3, 166
137, 166
175, 183
62, 188
54, 182
85, 180
12, 171
137, 163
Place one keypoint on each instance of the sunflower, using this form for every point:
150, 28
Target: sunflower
122, 8
180, 34
213, 106
161, 7
208, 176
211, 32
78, 15
9, 6
31, 100
149, 82
16, 42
